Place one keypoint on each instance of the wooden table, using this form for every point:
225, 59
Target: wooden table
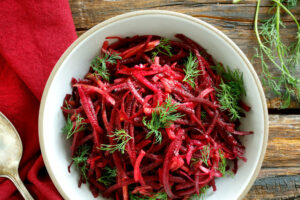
279, 177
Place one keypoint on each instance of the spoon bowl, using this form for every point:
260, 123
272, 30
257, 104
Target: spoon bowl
11, 150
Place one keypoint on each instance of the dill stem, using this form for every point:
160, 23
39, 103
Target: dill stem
288, 11
258, 37
256, 23
279, 52
262, 46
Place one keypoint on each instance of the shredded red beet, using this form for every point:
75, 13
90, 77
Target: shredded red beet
141, 126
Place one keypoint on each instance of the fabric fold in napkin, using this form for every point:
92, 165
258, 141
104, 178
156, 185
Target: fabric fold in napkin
33, 35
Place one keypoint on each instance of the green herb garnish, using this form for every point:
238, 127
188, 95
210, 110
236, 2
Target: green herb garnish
163, 116
291, 3
201, 195
284, 58
99, 64
67, 129
158, 196
80, 160
67, 105
191, 70
205, 152
108, 176
223, 165
79, 126
121, 137
163, 47
230, 91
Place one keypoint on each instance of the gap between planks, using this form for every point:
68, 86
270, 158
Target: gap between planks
276, 183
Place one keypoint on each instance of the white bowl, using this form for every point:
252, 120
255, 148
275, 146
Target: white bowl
75, 63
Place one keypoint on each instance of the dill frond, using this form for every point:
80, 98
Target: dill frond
205, 155
69, 129
80, 160
230, 91
108, 176
121, 137
163, 116
163, 47
201, 195
99, 64
284, 58
191, 70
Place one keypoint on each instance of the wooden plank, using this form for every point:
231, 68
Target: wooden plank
276, 183
235, 20
284, 141
88, 13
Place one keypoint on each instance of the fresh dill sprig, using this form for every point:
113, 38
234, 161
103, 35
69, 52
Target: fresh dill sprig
201, 195
228, 99
108, 177
205, 152
163, 47
223, 164
158, 196
230, 91
99, 64
162, 117
80, 160
69, 128
231, 76
121, 137
294, 49
191, 70
284, 58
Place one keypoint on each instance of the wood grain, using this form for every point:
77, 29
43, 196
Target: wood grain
87, 13
235, 20
275, 184
279, 177
284, 141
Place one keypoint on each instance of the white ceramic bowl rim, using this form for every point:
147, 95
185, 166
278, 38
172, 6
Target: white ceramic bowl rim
151, 12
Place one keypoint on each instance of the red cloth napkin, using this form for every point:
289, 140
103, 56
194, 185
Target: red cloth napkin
33, 35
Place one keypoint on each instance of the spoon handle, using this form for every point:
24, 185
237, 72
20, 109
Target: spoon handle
20, 186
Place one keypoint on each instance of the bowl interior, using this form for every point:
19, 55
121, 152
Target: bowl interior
75, 63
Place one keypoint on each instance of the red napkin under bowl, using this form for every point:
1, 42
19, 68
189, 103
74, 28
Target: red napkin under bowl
33, 35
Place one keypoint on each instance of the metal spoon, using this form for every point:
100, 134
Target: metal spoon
11, 150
